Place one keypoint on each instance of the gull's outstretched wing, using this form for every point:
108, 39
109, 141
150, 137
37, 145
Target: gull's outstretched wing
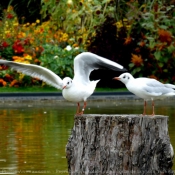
36, 71
86, 62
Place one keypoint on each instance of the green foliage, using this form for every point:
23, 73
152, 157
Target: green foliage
156, 46
59, 60
78, 17
26, 10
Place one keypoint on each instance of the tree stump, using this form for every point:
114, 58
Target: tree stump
119, 144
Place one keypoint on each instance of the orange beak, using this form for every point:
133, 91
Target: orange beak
64, 87
116, 78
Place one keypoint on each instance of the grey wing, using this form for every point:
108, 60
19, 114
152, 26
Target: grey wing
170, 86
157, 88
36, 71
86, 62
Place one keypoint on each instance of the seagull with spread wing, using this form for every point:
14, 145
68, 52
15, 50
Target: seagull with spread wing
77, 89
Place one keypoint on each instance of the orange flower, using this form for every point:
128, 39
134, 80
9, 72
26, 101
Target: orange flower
143, 36
173, 54
37, 48
2, 82
127, 40
13, 83
75, 45
165, 36
37, 61
153, 76
137, 60
161, 46
142, 43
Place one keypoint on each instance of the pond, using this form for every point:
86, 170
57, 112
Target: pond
33, 136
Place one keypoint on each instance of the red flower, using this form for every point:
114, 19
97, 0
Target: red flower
27, 41
5, 44
3, 67
17, 47
9, 16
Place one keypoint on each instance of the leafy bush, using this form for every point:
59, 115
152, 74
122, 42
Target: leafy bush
36, 44
79, 18
26, 10
154, 55
59, 60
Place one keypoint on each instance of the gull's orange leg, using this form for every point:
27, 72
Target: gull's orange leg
78, 108
144, 109
153, 107
83, 108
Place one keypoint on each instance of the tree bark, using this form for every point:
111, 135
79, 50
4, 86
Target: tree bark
119, 144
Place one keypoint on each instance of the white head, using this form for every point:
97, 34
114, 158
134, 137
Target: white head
67, 83
124, 78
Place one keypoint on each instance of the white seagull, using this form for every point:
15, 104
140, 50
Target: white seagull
77, 89
146, 88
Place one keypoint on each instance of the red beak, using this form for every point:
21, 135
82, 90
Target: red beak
116, 78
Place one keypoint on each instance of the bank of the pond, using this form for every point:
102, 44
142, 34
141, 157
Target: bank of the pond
51, 98
57, 96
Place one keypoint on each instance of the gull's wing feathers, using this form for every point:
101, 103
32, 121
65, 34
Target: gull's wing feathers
36, 71
156, 88
86, 62
170, 86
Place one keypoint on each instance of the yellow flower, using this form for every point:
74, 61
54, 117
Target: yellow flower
7, 31
37, 21
119, 24
27, 57
21, 76
9, 8
22, 61
15, 24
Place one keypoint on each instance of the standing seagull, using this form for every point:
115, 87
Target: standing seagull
146, 88
76, 90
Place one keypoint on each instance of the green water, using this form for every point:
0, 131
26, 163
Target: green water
33, 137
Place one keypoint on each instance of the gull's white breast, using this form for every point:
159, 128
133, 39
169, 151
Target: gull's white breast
136, 86
78, 92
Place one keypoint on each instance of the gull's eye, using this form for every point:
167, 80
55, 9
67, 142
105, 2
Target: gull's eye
67, 82
124, 77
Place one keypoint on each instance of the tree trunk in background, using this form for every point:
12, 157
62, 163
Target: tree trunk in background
119, 144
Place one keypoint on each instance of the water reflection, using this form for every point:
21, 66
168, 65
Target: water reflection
33, 137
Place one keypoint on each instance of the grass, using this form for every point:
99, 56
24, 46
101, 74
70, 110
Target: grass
51, 89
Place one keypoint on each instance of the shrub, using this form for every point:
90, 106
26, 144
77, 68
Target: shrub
154, 55
59, 60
